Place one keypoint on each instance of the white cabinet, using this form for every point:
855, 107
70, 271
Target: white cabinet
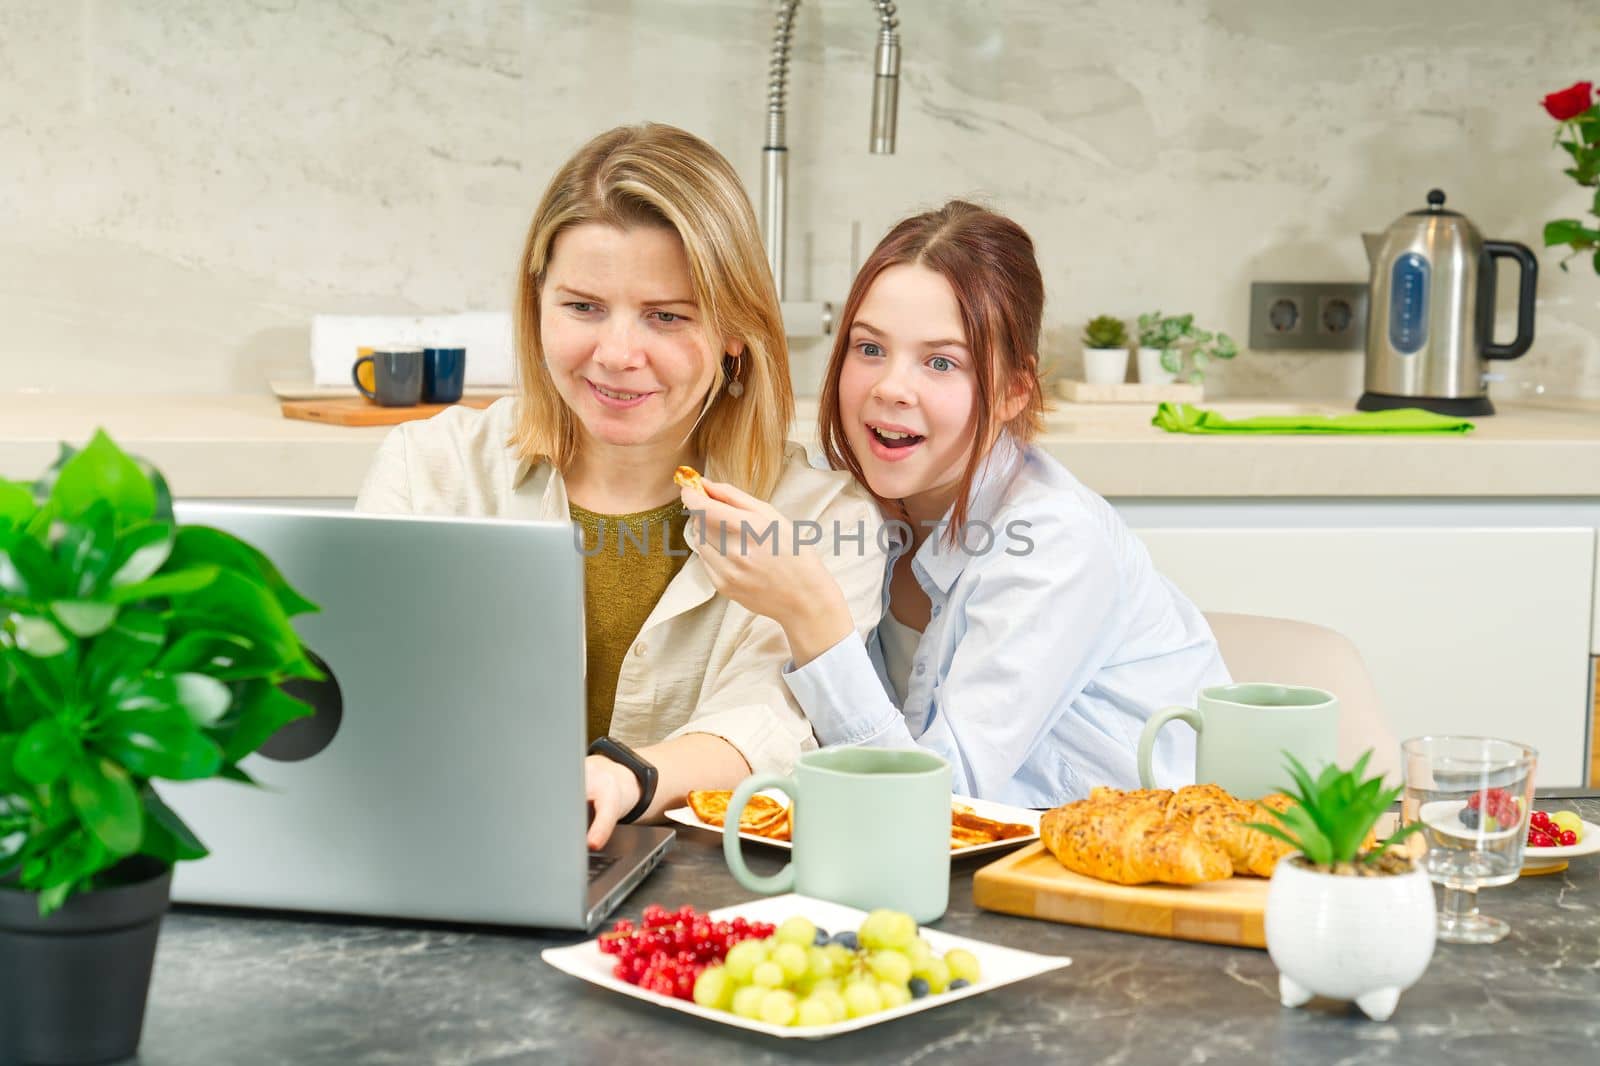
1482, 631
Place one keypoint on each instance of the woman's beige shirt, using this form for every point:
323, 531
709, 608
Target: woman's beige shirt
701, 663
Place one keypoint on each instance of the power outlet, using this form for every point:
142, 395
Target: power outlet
1300, 316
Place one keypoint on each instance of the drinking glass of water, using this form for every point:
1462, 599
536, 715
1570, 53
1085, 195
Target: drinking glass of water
1473, 796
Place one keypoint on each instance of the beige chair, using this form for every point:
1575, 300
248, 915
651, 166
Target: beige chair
1258, 648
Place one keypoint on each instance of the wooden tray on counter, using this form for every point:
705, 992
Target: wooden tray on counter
1033, 884
363, 412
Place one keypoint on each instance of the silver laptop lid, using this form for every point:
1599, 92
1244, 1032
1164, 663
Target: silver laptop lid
452, 788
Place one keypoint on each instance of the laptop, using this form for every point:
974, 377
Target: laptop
441, 776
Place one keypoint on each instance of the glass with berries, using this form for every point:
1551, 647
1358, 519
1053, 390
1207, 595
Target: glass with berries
1473, 796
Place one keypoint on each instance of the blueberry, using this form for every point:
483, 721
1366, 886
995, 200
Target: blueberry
919, 987
821, 938
848, 939
959, 982
1470, 816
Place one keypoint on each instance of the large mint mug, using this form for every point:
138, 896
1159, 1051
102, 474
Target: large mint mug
1244, 729
871, 829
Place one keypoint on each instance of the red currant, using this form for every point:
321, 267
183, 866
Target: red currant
1539, 820
1568, 838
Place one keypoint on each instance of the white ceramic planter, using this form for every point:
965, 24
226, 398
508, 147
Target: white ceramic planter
1105, 366
1151, 371
1361, 938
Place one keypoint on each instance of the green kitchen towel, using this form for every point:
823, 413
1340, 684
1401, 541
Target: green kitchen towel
1187, 418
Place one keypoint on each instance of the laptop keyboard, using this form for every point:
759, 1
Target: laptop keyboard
599, 864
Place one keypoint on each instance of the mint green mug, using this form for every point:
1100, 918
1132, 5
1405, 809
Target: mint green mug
1244, 729
871, 829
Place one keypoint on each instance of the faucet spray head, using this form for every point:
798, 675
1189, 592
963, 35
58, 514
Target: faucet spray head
885, 92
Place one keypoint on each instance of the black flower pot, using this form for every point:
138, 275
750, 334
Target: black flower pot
73, 985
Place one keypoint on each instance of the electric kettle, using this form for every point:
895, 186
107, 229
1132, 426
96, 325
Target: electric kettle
1430, 312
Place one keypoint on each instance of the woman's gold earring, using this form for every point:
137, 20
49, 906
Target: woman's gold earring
730, 367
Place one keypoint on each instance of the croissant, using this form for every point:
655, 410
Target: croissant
1186, 837
1129, 838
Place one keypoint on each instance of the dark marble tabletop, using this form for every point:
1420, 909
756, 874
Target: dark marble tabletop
237, 988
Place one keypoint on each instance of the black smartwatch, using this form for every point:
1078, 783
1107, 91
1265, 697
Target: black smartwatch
645, 772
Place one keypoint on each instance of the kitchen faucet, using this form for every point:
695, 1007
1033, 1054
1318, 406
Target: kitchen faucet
775, 154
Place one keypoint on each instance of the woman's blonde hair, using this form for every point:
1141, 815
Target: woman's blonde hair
659, 175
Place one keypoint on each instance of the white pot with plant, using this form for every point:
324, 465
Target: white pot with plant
1170, 347
1105, 351
1346, 920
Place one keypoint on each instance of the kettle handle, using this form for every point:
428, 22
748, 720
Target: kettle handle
1525, 294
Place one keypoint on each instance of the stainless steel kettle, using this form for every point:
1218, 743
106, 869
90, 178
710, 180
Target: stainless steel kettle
1430, 317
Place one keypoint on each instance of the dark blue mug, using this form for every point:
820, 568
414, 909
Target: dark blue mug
444, 373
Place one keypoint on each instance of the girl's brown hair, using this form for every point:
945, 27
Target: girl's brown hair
658, 175
989, 262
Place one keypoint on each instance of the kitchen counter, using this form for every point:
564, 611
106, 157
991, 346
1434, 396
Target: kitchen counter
241, 447
254, 990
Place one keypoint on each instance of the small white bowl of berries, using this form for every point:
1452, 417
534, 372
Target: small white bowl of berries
1556, 836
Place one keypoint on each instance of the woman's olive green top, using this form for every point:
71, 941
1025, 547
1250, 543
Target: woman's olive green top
629, 560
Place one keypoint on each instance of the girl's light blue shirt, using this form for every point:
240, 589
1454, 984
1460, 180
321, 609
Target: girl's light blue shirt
1052, 640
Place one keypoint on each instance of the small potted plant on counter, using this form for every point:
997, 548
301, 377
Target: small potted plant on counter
131, 650
1166, 342
1105, 351
1345, 919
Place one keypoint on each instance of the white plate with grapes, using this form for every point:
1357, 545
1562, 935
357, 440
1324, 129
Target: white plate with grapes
899, 970
1535, 859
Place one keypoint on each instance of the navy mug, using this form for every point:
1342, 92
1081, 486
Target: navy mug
397, 373
444, 373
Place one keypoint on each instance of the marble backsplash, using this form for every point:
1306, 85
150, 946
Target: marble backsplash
187, 182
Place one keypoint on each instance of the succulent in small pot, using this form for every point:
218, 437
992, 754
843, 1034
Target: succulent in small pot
1346, 918
132, 650
1105, 351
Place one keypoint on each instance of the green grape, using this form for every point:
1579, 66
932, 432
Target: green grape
793, 959
827, 984
818, 965
861, 998
937, 974
743, 958
814, 1011
843, 958
919, 953
797, 930
770, 975
834, 999
874, 929
747, 1001
900, 932
778, 1007
962, 964
895, 994
714, 988
890, 966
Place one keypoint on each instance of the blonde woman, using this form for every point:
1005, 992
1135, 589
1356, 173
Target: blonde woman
648, 337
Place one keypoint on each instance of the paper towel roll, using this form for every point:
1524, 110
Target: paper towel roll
486, 335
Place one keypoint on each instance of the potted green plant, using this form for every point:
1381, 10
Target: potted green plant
132, 650
1167, 342
1343, 919
1105, 351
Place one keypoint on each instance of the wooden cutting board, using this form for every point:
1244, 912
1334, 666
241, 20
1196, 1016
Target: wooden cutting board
1032, 883
362, 412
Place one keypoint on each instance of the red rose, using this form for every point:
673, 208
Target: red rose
1569, 103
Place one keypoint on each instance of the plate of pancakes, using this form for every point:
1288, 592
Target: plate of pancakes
976, 826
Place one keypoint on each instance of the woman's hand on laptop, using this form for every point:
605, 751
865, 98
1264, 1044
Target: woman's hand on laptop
612, 790
759, 559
